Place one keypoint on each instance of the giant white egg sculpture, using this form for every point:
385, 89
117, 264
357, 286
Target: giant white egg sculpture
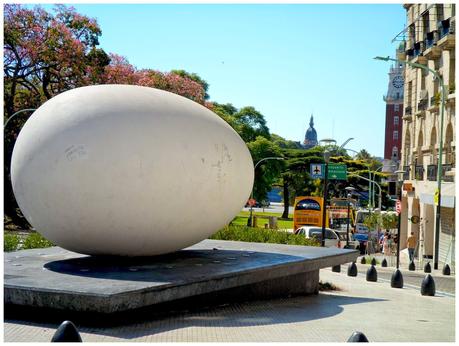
128, 170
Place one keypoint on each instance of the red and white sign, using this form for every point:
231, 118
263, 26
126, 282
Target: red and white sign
251, 202
398, 206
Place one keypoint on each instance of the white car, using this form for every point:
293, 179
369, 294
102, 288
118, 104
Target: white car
333, 238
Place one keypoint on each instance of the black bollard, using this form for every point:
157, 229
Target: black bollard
358, 337
352, 270
411, 267
372, 275
363, 260
428, 286
427, 268
396, 281
446, 270
67, 332
336, 268
373, 261
384, 263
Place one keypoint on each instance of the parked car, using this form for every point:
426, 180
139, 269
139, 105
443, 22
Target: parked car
333, 238
353, 243
259, 204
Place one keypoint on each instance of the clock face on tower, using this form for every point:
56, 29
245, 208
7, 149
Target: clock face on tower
397, 82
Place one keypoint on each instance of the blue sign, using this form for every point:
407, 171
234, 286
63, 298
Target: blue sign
317, 170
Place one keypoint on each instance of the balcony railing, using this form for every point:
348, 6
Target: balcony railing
446, 168
406, 174
443, 28
431, 38
432, 172
422, 105
419, 172
409, 52
429, 42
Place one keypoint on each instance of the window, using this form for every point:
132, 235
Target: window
395, 135
396, 107
394, 153
396, 120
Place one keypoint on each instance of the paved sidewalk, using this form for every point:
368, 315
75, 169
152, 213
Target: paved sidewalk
382, 313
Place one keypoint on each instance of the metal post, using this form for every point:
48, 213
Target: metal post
439, 176
349, 189
398, 227
348, 217
324, 208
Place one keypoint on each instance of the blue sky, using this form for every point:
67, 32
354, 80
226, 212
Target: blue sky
287, 61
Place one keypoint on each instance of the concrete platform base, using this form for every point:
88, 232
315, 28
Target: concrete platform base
55, 278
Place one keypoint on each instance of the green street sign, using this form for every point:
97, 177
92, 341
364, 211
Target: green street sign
337, 172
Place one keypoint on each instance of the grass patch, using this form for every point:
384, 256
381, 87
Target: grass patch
14, 242
36, 241
243, 216
368, 260
10, 242
261, 235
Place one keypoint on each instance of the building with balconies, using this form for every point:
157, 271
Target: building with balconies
429, 39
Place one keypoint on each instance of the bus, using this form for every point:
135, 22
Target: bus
307, 211
338, 218
360, 216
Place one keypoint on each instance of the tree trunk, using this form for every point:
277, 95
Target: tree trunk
10, 206
286, 200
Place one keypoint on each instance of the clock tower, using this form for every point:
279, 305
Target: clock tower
394, 113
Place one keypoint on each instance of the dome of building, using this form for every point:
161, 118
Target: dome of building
310, 138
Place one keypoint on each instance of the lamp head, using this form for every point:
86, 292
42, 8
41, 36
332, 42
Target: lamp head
326, 155
400, 172
382, 58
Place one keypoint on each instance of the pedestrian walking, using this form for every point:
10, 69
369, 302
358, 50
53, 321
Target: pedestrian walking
411, 245
386, 247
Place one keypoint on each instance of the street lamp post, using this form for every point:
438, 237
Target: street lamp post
349, 195
374, 182
324, 207
249, 221
400, 184
440, 151
18, 112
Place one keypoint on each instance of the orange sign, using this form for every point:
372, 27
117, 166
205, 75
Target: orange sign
408, 187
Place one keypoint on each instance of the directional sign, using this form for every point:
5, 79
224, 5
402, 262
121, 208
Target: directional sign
337, 172
317, 170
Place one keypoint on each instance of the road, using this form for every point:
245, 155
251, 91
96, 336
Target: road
273, 208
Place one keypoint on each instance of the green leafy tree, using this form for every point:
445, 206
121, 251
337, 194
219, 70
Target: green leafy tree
267, 172
284, 143
247, 121
389, 221
251, 124
295, 179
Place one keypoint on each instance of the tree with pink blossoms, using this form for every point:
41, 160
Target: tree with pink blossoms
46, 54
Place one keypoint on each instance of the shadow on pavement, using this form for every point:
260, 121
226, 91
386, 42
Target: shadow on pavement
196, 312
